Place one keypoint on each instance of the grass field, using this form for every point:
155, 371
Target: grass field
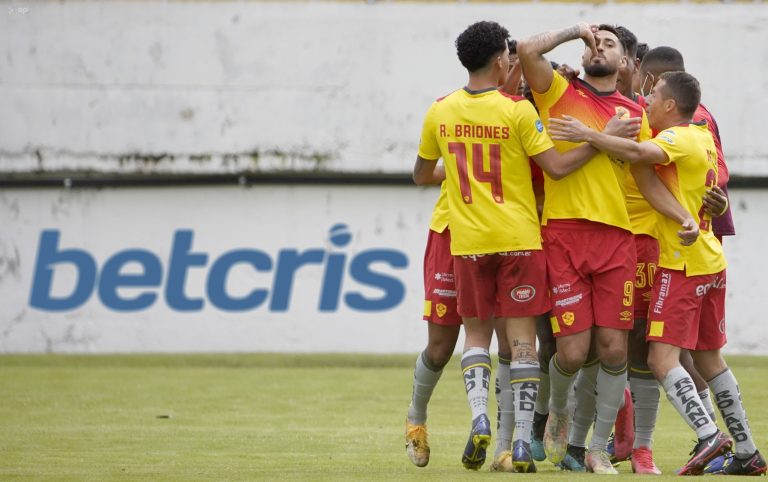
258, 417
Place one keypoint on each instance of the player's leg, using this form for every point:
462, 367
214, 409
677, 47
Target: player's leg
686, 360
476, 297
546, 349
583, 413
646, 398
613, 305
746, 459
443, 324
643, 385
426, 374
505, 415
571, 323
522, 294
674, 325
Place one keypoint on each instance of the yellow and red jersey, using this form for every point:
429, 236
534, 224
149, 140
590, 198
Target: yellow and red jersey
595, 191
485, 139
690, 171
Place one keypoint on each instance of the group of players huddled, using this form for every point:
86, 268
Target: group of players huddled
587, 212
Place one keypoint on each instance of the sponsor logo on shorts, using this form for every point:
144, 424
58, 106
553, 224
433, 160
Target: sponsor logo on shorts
446, 277
647, 296
523, 294
514, 253
571, 300
625, 316
473, 257
702, 290
561, 288
721, 326
444, 293
665, 281
568, 318
441, 309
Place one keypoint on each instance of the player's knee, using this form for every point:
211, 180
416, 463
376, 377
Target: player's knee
613, 355
439, 355
571, 359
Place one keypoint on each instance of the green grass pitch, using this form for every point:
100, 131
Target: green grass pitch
260, 417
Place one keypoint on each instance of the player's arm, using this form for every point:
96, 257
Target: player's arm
536, 68
664, 202
572, 130
426, 171
511, 86
560, 165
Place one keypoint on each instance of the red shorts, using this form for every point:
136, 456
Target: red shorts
439, 281
688, 312
591, 274
508, 285
645, 270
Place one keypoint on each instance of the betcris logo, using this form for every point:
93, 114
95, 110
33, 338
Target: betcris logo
108, 279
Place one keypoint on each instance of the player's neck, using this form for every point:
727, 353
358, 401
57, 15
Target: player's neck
483, 81
673, 121
602, 84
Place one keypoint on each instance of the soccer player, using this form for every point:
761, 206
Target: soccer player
485, 138
587, 235
688, 301
443, 326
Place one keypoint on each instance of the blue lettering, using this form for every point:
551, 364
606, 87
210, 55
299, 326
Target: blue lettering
288, 262
217, 280
181, 261
49, 255
111, 279
332, 280
393, 289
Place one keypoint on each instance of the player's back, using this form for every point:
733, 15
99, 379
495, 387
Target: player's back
485, 139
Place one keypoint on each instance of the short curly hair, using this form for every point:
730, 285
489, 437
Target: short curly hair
477, 45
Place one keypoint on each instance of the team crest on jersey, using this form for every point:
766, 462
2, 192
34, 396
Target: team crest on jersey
441, 310
539, 125
621, 112
568, 318
523, 294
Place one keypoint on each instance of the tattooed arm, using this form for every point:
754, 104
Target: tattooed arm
536, 68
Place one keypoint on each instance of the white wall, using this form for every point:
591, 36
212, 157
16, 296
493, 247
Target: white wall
269, 219
275, 86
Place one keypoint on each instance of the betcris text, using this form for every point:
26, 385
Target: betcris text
371, 268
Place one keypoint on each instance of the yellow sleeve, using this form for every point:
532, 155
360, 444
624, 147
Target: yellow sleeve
428, 147
533, 136
667, 141
645, 130
547, 99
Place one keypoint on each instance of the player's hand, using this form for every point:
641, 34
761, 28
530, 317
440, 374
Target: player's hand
568, 128
568, 72
689, 232
587, 33
628, 127
715, 202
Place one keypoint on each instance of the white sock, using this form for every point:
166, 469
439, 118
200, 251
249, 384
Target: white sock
584, 409
506, 411
645, 397
476, 367
425, 379
560, 384
728, 399
524, 380
682, 393
611, 381
707, 402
